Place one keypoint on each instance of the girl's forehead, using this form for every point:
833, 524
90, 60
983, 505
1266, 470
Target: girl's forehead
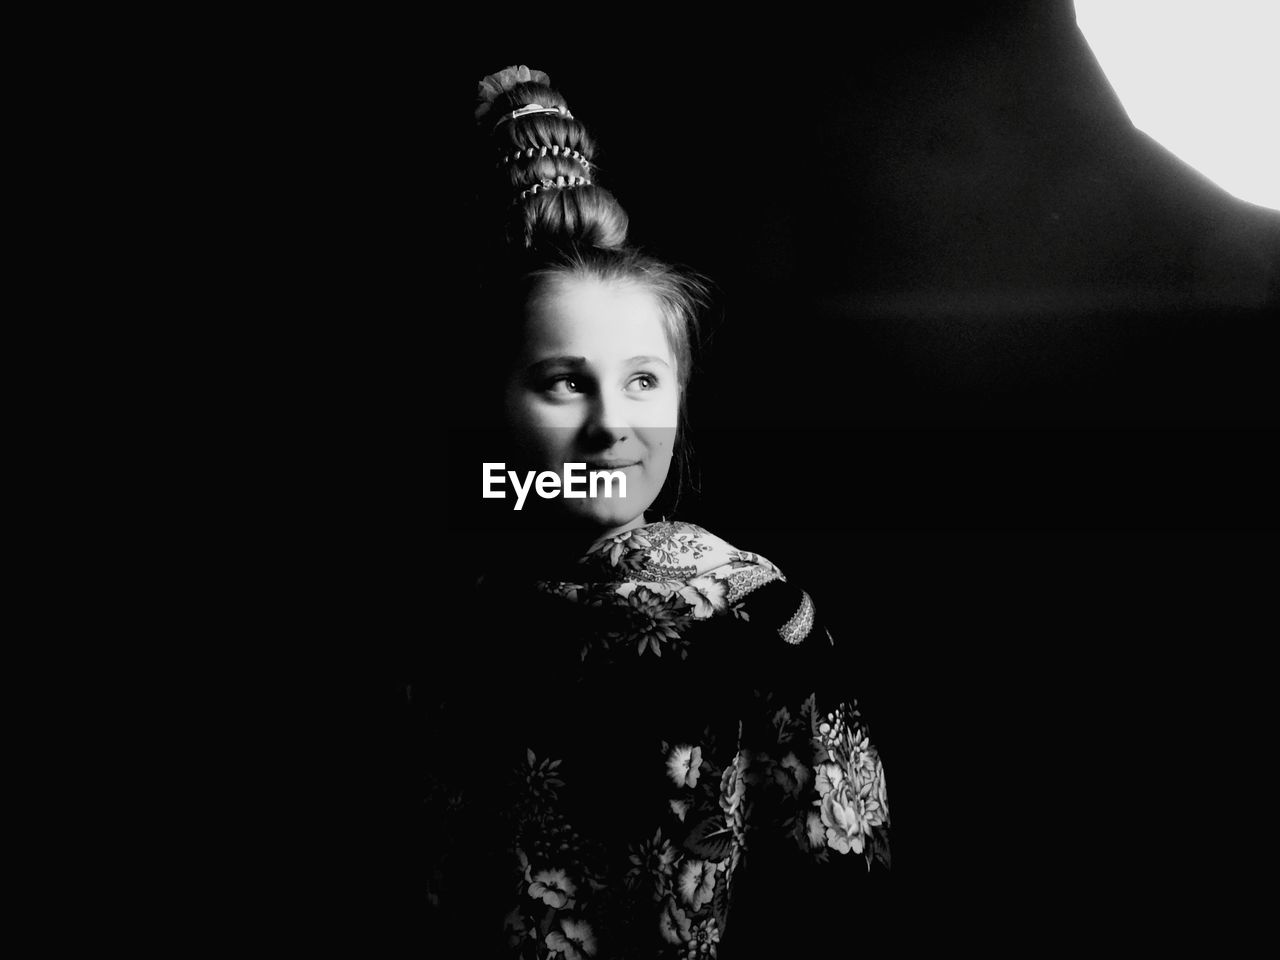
591, 317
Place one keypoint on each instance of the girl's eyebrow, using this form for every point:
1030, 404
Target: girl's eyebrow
558, 361
565, 360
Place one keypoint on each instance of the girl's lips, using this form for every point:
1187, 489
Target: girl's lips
620, 465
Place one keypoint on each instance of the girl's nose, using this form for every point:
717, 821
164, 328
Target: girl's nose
607, 422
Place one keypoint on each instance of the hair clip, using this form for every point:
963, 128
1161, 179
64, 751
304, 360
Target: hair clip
561, 182
530, 152
532, 109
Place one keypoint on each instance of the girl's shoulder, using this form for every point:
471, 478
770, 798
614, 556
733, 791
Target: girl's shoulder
673, 548
715, 577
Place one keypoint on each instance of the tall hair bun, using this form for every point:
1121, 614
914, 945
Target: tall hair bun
544, 181
499, 83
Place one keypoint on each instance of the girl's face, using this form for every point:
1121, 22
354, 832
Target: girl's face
595, 383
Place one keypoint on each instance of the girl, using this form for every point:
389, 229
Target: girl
643, 745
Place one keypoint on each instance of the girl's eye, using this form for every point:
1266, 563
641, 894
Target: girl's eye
644, 381
562, 386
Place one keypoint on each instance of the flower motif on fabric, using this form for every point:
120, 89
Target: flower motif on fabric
697, 883
733, 788
843, 826
516, 928
675, 550
852, 799
653, 621
541, 779
553, 888
652, 863
666, 551
792, 775
732, 784
688, 539
706, 596
625, 552
830, 730
830, 778
815, 831
684, 764
674, 924
574, 940
703, 939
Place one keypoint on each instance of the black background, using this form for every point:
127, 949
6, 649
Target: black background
956, 288
990, 374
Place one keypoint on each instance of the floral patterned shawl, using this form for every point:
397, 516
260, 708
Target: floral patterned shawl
634, 744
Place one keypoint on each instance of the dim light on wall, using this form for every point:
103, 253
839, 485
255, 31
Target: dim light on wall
1202, 78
